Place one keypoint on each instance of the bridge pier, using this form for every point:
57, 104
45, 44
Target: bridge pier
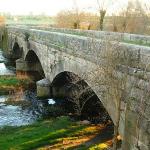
43, 88
22, 65
30, 69
23, 68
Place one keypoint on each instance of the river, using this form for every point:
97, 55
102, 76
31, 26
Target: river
5, 66
16, 115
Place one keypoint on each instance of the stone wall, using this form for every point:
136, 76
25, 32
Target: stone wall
126, 37
60, 52
102, 34
74, 44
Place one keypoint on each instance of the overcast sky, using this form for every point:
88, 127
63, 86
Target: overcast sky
52, 7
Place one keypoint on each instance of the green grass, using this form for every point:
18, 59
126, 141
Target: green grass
51, 132
141, 43
12, 81
8, 81
37, 135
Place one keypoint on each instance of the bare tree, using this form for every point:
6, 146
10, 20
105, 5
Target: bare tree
132, 19
68, 19
77, 19
102, 12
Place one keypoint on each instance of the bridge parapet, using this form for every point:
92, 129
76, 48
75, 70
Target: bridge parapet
124, 37
84, 47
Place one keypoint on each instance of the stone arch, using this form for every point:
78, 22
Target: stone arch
31, 56
81, 68
16, 47
34, 64
17, 50
68, 85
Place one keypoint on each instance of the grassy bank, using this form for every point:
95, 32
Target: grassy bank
59, 133
12, 83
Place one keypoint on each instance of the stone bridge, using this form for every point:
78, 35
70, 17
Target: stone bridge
53, 51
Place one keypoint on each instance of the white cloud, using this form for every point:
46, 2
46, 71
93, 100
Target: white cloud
51, 7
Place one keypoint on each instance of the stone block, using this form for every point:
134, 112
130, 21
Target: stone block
43, 88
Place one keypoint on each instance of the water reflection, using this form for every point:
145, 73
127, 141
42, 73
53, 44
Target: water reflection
16, 115
2, 58
13, 115
31, 108
5, 70
51, 102
28, 112
3, 99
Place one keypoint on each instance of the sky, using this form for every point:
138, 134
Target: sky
52, 7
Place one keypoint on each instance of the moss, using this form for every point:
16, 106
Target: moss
4, 44
142, 43
12, 81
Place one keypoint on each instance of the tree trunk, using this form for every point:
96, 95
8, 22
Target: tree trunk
102, 16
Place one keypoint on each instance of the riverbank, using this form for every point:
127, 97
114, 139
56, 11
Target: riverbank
21, 128
54, 134
10, 84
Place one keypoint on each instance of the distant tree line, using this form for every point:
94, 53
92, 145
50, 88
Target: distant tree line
135, 18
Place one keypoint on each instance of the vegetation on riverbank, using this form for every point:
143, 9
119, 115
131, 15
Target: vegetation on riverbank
14, 102
50, 134
12, 83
